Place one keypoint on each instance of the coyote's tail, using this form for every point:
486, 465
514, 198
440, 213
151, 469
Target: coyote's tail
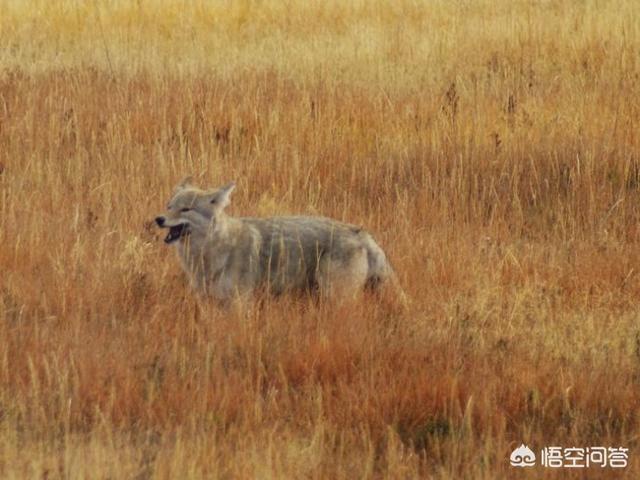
381, 274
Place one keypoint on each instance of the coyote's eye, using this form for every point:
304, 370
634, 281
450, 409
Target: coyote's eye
185, 209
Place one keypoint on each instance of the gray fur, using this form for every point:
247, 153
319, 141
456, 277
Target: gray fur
229, 257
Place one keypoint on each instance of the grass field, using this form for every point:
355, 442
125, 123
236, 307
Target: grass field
493, 149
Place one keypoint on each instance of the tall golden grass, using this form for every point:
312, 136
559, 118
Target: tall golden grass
491, 146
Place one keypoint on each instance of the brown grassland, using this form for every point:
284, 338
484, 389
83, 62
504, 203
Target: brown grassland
493, 149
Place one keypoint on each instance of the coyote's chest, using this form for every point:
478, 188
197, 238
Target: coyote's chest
206, 267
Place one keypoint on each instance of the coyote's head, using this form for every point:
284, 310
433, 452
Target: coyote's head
193, 210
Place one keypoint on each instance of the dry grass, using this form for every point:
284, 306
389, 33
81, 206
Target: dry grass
491, 146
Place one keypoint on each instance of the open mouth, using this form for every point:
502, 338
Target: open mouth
176, 233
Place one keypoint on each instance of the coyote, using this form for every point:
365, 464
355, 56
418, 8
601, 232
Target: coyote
229, 258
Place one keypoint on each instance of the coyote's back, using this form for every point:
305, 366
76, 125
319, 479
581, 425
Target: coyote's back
317, 252
231, 257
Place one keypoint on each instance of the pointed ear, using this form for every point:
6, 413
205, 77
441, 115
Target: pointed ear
221, 196
185, 182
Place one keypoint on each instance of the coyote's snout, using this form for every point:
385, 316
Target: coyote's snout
229, 257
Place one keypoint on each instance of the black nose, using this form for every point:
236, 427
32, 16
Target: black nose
160, 221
